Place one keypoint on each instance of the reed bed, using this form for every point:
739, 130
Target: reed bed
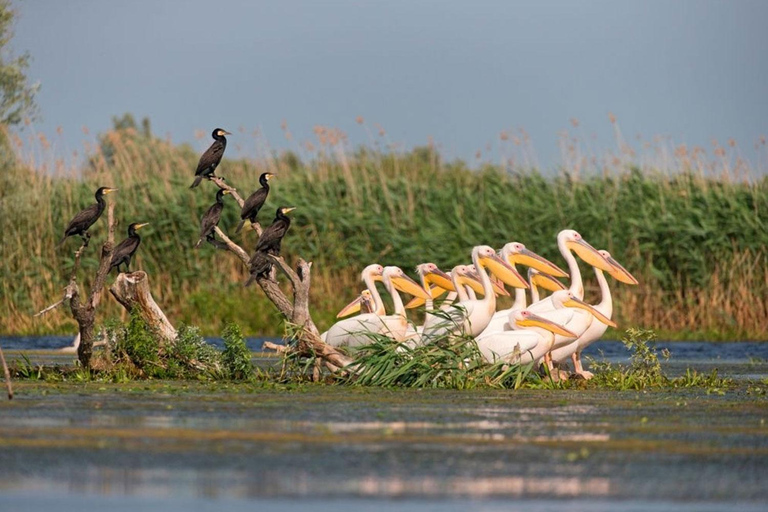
692, 225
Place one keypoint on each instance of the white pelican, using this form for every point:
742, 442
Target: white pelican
514, 253
569, 240
369, 276
472, 316
595, 329
538, 280
353, 331
528, 344
575, 315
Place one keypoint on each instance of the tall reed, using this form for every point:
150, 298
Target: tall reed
693, 228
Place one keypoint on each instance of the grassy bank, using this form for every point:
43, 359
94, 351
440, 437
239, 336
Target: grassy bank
694, 231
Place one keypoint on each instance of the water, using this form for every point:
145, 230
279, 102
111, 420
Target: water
184, 446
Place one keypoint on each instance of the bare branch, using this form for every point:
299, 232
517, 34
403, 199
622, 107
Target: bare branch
7, 375
132, 291
105, 261
233, 247
219, 181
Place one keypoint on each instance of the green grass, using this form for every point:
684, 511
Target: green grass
694, 235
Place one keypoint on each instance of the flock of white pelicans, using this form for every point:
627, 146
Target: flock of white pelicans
546, 331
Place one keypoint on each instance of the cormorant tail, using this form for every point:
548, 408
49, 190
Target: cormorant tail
197, 181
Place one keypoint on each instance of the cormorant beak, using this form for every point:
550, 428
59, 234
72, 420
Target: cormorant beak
589, 254
227, 192
270, 176
408, 285
139, 226
531, 259
504, 271
580, 304
532, 320
287, 210
110, 190
547, 282
620, 273
225, 132
352, 307
441, 279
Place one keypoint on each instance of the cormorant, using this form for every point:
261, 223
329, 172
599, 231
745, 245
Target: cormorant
81, 222
212, 156
255, 201
211, 218
269, 243
127, 248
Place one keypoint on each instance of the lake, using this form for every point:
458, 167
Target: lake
210, 446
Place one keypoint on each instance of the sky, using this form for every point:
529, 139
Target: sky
458, 72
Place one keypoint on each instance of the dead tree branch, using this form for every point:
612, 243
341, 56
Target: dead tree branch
7, 374
294, 311
133, 293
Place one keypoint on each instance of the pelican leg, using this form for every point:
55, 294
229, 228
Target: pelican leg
578, 368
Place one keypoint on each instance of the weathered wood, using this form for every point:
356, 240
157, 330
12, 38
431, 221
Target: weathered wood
7, 374
295, 311
132, 291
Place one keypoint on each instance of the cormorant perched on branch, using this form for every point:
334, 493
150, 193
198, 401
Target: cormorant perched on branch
81, 222
211, 218
255, 201
212, 156
125, 250
269, 243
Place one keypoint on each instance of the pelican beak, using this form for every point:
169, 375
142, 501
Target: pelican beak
441, 279
498, 287
472, 280
504, 271
408, 285
415, 303
537, 321
352, 307
141, 225
547, 282
533, 260
576, 303
589, 254
620, 273
110, 190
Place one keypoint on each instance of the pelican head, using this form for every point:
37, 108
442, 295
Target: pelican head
363, 303
402, 282
574, 242
374, 271
515, 252
430, 274
565, 298
619, 273
487, 258
525, 318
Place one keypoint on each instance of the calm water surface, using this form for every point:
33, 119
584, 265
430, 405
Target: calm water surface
189, 446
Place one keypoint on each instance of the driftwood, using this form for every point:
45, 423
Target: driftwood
296, 311
84, 312
132, 292
7, 375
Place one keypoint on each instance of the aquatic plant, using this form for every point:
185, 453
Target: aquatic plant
236, 356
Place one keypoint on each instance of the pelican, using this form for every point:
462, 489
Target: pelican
353, 331
575, 315
595, 329
369, 276
472, 316
513, 253
569, 240
528, 344
538, 280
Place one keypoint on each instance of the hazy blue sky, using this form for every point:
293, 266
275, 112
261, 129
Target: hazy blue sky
458, 71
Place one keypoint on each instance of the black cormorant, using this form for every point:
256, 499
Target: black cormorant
81, 222
269, 243
255, 201
125, 250
211, 218
212, 156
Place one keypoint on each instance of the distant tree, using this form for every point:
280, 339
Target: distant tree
17, 95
